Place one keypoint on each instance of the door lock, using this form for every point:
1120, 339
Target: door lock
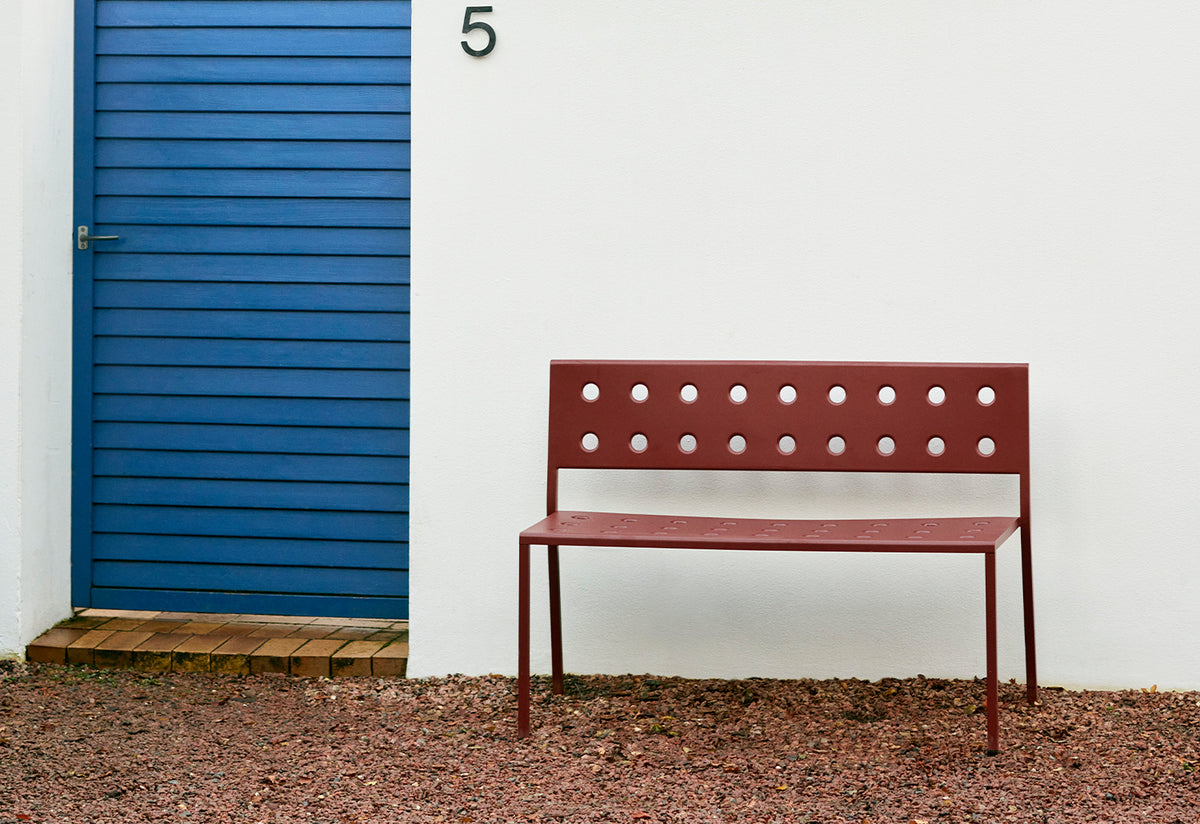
82, 238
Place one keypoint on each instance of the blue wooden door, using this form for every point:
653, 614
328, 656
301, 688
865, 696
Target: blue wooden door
242, 354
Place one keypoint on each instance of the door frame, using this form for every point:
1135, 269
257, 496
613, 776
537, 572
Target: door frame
82, 300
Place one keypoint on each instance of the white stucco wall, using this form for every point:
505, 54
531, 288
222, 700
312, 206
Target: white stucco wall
35, 318
814, 180
10, 337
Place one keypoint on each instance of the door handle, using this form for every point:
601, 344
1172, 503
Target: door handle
82, 238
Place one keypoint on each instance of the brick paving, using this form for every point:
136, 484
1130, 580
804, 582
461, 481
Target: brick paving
231, 644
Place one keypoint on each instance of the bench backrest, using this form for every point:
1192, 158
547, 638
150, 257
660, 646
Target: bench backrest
776, 415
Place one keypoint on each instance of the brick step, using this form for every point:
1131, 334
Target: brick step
229, 644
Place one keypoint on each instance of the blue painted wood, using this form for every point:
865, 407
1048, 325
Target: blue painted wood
250, 42
219, 550
337, 183
244, 125
377, 326
253, 240
309, 297
390, 153
255, 602
247, 366
346, 497
249, 578
222, 352
249, 523
357, 469
81, 378
122, 69
192, 97
349, 414
260, 268
368, 13
247, 438
270, 382
252, 211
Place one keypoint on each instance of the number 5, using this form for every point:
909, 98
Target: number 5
468, 26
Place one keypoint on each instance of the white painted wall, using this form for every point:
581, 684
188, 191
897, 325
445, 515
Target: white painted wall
11, 215
924, 180
35, 318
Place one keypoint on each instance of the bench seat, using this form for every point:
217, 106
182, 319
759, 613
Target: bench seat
582, 528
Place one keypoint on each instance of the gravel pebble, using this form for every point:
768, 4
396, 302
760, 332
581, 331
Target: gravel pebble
86, 745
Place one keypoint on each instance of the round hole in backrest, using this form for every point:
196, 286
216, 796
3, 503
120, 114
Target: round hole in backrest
836, 445
738, 393
787, 444
590, 392
787, 394
935, 446
688, 393
887, 395
986, 447
886, 445
639, 442
687, 444
936, 395
639, 392
590, 442
986, 396
837, 394
737, 444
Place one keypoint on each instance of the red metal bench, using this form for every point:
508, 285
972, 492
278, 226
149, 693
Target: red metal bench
841, 417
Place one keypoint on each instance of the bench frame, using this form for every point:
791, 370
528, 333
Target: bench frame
792, 416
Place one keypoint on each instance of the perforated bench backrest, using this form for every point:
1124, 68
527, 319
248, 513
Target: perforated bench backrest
775, 415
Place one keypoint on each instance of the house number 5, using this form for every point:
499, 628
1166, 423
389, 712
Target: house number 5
469, 26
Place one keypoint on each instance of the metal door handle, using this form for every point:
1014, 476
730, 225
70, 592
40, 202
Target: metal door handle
82, 238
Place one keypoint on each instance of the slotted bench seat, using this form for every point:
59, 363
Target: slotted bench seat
770, 416
625, 529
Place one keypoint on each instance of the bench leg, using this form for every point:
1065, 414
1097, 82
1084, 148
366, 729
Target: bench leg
556, 659
1031, 684
523, 641
993, 687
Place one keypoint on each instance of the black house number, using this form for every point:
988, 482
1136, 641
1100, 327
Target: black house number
470, 26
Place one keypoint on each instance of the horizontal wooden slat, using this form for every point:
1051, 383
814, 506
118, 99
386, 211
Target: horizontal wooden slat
252, 240
141, 69
253, 183
220, 352
347, 606
244, 126
273, 412
203, 97
273, 551
238, 438
253, 211
351, 497
312, 297
373, 13
250, 523
147, 463
291, 580
254, 382
276, 325
301, 153
250, 42
262, 268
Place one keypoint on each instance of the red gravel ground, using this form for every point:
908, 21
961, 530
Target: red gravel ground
83, 745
